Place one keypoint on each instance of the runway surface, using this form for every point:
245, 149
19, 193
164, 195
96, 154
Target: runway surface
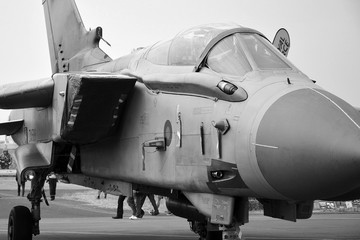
72, 219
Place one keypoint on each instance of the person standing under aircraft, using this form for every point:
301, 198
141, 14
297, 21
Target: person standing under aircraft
120, 207
52, 180
20, 184
158, 204
154, 212
99, 193
136, 202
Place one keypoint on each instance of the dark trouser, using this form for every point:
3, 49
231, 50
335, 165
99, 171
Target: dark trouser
153, 202
21, 187
120, 207
131, 204
52, 187
136, 203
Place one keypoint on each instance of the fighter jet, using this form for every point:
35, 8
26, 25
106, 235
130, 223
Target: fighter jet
209, 118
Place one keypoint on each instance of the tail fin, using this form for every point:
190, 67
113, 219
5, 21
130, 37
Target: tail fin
72, 47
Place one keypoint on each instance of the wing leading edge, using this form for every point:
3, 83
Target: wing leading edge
36, 93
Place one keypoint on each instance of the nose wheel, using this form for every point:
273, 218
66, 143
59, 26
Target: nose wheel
20, 224
214, 235
207, 232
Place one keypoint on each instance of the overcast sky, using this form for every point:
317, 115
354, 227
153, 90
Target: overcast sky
325, 34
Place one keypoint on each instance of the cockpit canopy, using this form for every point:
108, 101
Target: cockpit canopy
224, 48
186, 47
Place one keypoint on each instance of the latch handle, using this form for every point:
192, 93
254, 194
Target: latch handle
158, 143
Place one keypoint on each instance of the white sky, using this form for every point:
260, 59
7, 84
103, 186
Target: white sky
325, 34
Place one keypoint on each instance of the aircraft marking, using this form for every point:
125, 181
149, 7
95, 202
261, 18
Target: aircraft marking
347, 115
267, 146
144, 119
203, 110
168, 132
32, 135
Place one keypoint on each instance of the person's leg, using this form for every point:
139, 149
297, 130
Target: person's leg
153, 203
52, 186
139, 201
158, 200
23, 189
120, 207
131, 203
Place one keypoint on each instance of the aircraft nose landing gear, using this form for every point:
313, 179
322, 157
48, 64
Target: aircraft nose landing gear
20, 224
24, 223
208, 231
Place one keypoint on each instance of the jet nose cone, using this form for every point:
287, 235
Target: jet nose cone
308, 145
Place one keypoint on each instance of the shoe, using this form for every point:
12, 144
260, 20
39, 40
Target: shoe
142, 214
154, 213
117, 217
133, 217
52, 198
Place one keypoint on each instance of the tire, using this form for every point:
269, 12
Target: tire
20, 224
214, 235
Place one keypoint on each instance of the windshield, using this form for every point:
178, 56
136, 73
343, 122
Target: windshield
262, 53
186, 47
233, 54
228, 57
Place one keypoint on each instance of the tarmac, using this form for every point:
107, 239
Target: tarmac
76, 213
